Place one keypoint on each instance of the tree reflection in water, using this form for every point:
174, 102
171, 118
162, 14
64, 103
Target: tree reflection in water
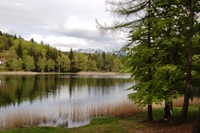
69, 99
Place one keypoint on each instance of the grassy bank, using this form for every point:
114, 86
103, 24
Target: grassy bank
131, 124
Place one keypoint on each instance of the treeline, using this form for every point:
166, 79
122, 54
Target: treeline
17, 54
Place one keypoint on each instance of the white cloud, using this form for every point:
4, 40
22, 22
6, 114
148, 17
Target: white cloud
65, 43
62, 24
74, 23
59, 42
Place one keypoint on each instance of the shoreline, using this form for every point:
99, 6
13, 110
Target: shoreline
78, 73
98, 73
18, 73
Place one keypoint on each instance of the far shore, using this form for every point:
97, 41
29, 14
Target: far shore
79, 73
18, 73
99, 73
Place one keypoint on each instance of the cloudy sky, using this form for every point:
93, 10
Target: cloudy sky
63, 24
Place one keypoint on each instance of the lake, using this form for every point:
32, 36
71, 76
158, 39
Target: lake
59, 99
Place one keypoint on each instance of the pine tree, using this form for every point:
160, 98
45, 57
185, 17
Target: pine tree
19, 50
156, 48
71, 55
193, 7
127, 11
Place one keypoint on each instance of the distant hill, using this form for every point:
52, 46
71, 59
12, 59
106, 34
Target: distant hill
17, 54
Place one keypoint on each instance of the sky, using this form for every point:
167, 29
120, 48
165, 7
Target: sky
63, 24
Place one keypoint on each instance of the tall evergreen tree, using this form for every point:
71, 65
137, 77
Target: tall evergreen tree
149, 113
156, 48
71, 55
19, 50
127, 10
193, 7
59, 63
99, 62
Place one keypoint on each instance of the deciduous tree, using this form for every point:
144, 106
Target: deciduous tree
29, 63
50, 65
41, 63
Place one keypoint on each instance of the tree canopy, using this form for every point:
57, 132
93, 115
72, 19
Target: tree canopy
162, 37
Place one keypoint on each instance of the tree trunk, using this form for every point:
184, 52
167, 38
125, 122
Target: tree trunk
168, 111
59, 69
196, 128
149, 112
189, 67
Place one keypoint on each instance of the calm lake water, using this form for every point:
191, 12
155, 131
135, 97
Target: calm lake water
61, 98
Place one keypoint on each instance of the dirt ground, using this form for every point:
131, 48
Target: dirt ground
156, 128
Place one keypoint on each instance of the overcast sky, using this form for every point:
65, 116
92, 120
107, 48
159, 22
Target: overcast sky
63, 24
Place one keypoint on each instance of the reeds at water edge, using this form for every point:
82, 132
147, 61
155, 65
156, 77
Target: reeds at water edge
121, 110
20, 119
76, 114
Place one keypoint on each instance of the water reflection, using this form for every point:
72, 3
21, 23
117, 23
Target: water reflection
61, 99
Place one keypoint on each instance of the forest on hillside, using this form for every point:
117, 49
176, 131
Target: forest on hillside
17, 54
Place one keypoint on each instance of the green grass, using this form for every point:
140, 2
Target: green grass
97, 125
114, 124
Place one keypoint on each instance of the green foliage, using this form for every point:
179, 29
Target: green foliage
19, 50
158, 43
173, 86
50, 65
71, 55
82, 61
20, 64
29, 63
11, 60
167, 70
45, 58
14, 64
74, 65
42, 63
65, 63
99, 61
92, 65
